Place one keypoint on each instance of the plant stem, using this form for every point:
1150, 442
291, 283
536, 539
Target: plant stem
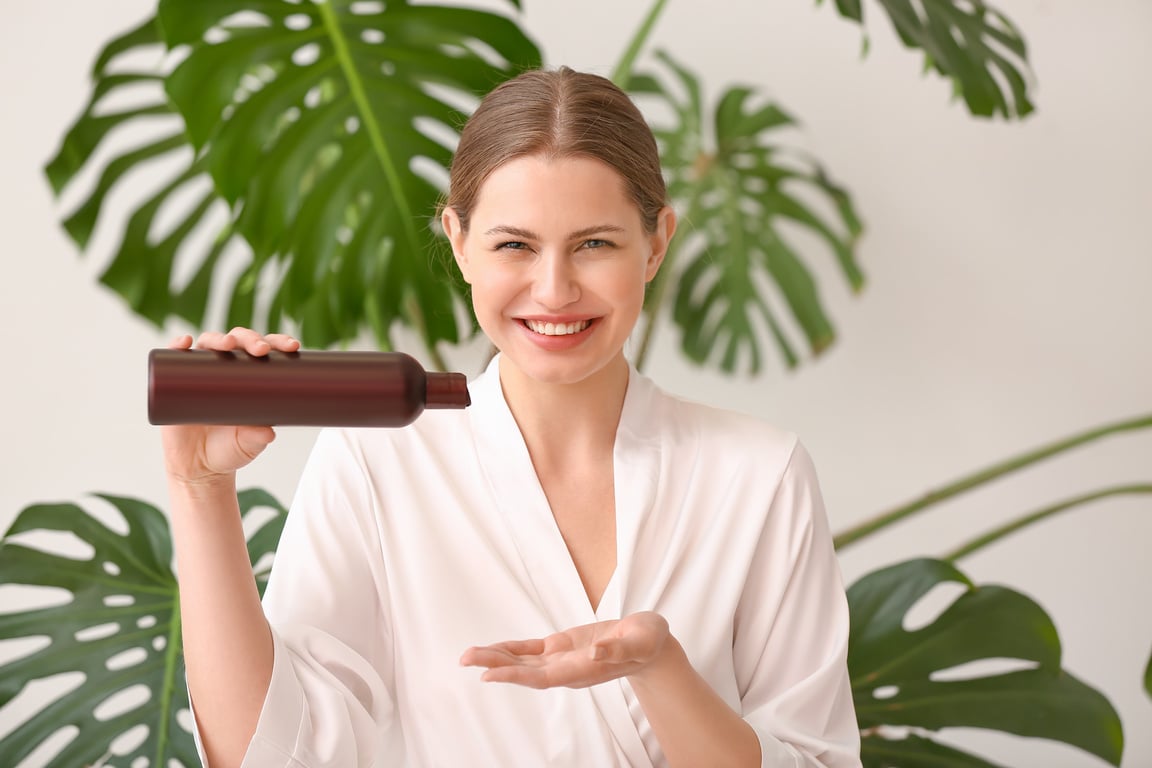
885, 519
172, 652
376, 137
622, 73
659, 291
996, 534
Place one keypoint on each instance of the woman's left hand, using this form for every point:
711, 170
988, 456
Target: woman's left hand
577, 657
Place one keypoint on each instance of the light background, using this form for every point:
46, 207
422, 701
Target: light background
1009, 266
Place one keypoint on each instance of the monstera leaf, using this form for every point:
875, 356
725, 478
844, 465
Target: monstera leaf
325, 130
741, 198
965, 40
951, 673
119, 633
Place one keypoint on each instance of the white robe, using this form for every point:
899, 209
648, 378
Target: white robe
406, 546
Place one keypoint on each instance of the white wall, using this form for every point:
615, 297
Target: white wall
1009, 266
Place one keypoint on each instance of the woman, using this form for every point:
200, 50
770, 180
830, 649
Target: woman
670, 564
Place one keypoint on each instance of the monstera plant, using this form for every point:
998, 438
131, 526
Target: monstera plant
311, 139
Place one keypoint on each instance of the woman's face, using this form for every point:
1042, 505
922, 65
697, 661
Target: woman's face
557, 257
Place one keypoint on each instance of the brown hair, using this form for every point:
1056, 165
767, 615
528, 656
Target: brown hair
560, 113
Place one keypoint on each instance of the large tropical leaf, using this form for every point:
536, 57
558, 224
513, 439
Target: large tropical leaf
969, 42
325, 129
951, 673
742, 198
120, 630
142, 266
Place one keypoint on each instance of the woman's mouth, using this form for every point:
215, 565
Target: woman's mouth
556, 329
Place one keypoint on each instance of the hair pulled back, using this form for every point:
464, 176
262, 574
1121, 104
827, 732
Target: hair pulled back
556, 114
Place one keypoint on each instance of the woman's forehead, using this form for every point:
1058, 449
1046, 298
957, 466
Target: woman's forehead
567, 191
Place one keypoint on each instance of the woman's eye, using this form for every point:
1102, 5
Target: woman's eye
596, 243
512, 245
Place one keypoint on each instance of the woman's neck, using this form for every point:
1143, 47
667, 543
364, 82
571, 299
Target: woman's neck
565, 420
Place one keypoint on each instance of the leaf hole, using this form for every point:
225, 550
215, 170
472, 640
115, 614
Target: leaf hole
15, 598
145, 622
313, 97
125, 659
387, 68
352, 124
366, 8
132, 697
430, 171
60, 543
298, 21
46, 752
931, 604
98, 632
306, 54
184, 720
159, 643
372, 36
119, 601
111, 568
214, 36
980, 668
15, 648
129, 741
885, 692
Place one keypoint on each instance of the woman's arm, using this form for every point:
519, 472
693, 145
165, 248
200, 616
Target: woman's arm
692, 723
227, 642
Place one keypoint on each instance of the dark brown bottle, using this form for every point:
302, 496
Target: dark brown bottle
310, 388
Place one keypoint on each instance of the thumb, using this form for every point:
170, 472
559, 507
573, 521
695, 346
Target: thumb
251, 441
616, 650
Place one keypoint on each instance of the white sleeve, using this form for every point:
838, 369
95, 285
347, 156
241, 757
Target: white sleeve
330, 699
791, 643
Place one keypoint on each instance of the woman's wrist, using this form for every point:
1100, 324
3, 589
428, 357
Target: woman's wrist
670, 660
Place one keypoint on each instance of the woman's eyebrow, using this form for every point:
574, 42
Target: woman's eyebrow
595, 229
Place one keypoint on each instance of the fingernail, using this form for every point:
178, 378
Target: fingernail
598, 653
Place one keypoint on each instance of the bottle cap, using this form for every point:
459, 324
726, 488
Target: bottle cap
447, 390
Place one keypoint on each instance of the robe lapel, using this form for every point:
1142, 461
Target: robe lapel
549, 567
524, 507
636, 463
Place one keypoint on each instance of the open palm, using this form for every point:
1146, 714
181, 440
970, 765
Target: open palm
577, 657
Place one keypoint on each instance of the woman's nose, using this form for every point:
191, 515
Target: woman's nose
554, 283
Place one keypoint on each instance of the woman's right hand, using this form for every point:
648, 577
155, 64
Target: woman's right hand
200, 454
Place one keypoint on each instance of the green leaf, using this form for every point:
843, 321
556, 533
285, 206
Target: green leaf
276, 134
314, 120
1148, 677
915, 752
120, 630
141, 267
967, 41
734, 262
950, 673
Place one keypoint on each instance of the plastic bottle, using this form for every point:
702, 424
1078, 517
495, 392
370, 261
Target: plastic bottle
310, 388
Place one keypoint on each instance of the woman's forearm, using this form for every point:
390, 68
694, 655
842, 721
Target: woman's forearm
692, 723
227, 642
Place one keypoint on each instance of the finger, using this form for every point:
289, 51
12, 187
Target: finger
494, 657
530, 677
251, 341
532, 647
181, 342
253, 440
282, 342
214, 340
623, 648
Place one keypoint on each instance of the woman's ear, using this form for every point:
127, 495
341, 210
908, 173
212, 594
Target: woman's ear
659, 240
454, 230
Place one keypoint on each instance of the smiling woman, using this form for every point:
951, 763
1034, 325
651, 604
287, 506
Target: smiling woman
660, 572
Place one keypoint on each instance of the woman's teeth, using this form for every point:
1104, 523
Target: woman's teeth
557, 329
